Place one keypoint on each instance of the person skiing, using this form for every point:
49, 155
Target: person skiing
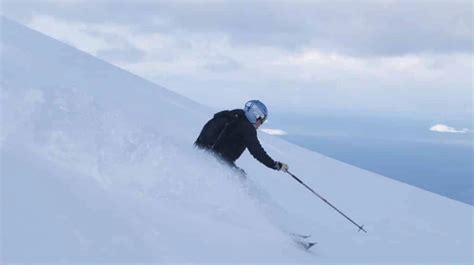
229, 133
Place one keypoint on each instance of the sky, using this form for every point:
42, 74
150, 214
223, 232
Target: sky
412, 57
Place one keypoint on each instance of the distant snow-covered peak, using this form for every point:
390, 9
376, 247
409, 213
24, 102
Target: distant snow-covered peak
277, 132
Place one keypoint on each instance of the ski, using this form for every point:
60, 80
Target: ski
302, 240
300, 235
305, 245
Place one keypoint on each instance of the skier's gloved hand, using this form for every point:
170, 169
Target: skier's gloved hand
281, 166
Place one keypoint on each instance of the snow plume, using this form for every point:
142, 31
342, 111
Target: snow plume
446, 129
100, 166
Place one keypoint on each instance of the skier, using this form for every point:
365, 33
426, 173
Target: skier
229, 133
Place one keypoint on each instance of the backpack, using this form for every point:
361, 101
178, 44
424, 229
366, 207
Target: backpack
215, 128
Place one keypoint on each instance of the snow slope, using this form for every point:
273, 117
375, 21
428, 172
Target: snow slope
97, 165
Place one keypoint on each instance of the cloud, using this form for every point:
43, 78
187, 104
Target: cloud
446, 129
274, 132
76, 34
357, 28
222, 64
197, 51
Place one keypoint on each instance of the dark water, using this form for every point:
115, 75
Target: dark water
399, 148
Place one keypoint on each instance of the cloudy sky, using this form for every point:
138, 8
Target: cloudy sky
396, 56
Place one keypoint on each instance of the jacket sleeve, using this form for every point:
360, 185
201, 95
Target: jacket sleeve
257, 151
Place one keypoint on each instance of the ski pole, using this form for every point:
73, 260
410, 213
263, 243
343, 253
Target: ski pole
322, 198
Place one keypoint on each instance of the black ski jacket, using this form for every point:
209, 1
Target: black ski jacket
238, 136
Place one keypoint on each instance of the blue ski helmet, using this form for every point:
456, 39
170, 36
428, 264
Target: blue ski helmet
254, 110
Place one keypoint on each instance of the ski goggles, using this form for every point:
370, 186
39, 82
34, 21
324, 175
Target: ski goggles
262, 119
